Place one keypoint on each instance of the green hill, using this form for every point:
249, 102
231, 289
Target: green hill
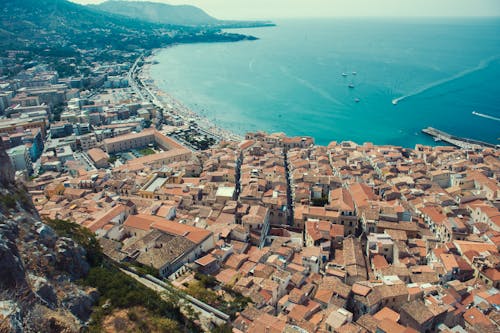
159, 12
63, 27
155, 12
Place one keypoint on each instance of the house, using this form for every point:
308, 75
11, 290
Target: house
165, 245
99, 157
422, 317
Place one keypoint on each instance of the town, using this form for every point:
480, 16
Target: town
337, 238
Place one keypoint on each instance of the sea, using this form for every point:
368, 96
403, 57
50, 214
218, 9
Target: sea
405, 75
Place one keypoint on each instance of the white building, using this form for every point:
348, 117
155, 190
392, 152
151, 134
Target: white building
20, 158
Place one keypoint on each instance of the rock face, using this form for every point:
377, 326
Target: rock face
71, 258
12, 273
37, 268
79, 304
6, 170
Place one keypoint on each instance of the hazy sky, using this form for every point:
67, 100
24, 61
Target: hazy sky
269, 9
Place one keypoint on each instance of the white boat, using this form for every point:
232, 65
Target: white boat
357, 100
354, 73
351, 85
344, 74
394, 102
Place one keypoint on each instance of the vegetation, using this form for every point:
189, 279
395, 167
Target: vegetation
319, 202
168, 14
10, 201
119, 291
142, 269
112, 159
82, 236
201, 288
80, 27
137, 319
147, 151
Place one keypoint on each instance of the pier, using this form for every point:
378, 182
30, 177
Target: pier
456, 141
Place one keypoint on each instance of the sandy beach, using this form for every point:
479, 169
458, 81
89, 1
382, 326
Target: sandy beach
176, 107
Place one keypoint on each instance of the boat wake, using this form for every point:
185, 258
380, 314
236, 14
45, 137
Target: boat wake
482, 65
485, 116
312, 87
250, 65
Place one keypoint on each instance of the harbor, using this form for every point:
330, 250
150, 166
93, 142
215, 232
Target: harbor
464, 143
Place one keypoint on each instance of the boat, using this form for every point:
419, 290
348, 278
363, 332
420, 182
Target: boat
354, 73
357, 100
351, 85
394, 102
344, 74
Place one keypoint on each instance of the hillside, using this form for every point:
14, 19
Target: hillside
65, 28
162, 13
38, 292
159, 12
54, 277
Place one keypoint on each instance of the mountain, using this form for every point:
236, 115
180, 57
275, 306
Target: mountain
39, 269
64, 28
155, 12
159, 12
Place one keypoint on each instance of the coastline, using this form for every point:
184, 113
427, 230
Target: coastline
245, 98
177, 108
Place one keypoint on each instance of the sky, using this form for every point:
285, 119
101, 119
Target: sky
273, 9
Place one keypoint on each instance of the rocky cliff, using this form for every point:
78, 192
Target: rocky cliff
37, 268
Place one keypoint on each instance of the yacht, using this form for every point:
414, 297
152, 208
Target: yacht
351, 85
344, 74
354, 73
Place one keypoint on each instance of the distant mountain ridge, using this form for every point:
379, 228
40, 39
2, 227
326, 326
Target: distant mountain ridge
163, 13
158, 12
61, 28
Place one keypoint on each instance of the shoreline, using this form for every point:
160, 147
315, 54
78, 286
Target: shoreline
175, 107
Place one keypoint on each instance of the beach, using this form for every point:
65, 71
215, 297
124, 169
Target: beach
290, 80
176, 108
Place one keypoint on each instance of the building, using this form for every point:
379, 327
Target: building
61, 130
20, 158
139, 140
163, 244
99, 157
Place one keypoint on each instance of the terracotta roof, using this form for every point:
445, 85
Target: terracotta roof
104, 219
435, 215
389, 326
475, 317
194, 234
360, 289
206, 260
448, 261
97, 154
147, 222
379, 262
267, 323
386, 313
142, 221
465, 246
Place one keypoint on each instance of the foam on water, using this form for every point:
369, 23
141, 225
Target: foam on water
482, 65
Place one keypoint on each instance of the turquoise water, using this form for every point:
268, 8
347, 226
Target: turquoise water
290, 79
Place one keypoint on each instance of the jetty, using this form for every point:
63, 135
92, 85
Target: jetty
456, 141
